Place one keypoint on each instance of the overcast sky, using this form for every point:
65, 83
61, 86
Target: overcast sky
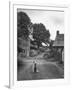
53, 20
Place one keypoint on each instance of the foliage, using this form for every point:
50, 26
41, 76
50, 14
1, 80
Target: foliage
53, 53
33, 53
22, 21
40, 34
48, 54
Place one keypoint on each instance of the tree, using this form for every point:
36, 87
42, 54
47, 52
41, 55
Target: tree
46, 36
40, 34
51, 43
22, 21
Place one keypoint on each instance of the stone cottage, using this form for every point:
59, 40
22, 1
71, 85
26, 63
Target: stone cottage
24, 44
59, 44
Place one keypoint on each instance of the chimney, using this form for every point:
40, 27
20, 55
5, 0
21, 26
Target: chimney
57, 32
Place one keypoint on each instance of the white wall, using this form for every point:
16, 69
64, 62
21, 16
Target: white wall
4, 42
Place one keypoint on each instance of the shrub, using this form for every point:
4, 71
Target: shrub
33, 53
48, 54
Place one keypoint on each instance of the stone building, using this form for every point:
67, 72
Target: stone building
24, 44
59, 44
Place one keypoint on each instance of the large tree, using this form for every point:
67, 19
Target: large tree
22, 21
40, 34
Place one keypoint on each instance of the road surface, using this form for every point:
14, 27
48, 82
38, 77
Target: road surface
46, 70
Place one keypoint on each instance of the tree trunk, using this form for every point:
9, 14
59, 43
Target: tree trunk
28, 48
38, 44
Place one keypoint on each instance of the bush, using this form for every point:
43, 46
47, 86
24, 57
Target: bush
42, 49
33, 53
22, 55
52, 54
48, 54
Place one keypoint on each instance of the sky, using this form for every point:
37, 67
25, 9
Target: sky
53, 20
